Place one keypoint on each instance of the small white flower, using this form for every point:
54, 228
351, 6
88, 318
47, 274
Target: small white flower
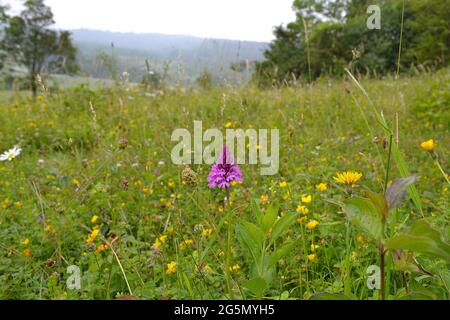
10, 154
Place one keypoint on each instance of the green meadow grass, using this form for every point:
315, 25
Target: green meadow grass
105, 153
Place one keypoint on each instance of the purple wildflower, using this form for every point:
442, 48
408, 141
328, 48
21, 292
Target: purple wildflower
224, 171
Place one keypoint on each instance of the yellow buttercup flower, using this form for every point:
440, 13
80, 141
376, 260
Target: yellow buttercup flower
171, 267
314, 247
322, 187
312, 257
306, 198
429, 145
26, 242
348, 177
283, 184
311, 225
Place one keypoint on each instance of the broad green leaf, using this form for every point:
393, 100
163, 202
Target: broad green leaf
415, 296
281, 252
258, 213
330, 296
270, 217
421, 238
256, 285
251, 237
282, 225
363, 213
404, 261
397, 191
379, 202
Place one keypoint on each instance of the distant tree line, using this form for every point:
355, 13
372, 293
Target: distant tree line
329, 36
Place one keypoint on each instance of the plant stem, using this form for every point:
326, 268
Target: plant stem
382, 255
227, 261
442, 170
388, 165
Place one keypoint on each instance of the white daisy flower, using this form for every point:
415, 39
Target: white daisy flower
10, 154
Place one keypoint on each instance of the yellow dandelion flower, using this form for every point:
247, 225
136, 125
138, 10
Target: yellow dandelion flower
322, 187
311, 225
429, 145
171, 268
348, 177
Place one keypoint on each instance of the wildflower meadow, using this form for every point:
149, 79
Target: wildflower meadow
93, 207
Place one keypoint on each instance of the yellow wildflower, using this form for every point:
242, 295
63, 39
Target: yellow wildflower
322, 187
94, 218
93, 235
348, 177
234, 268
171, 267
283, 184
312, 257
301, 219
306, 198
314, 247
311, 225
26, 242
302, 209
206, 233
264, 198
429, 145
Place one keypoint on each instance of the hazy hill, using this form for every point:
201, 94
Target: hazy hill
187, 56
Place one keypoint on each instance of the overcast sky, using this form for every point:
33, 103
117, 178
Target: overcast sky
230, 19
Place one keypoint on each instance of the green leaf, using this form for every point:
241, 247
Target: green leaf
421, 238
379, 202
397, 191
282, 225
330, 296
415, 296
270, 217
251, 238
363, 213
256, 285
281, 252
